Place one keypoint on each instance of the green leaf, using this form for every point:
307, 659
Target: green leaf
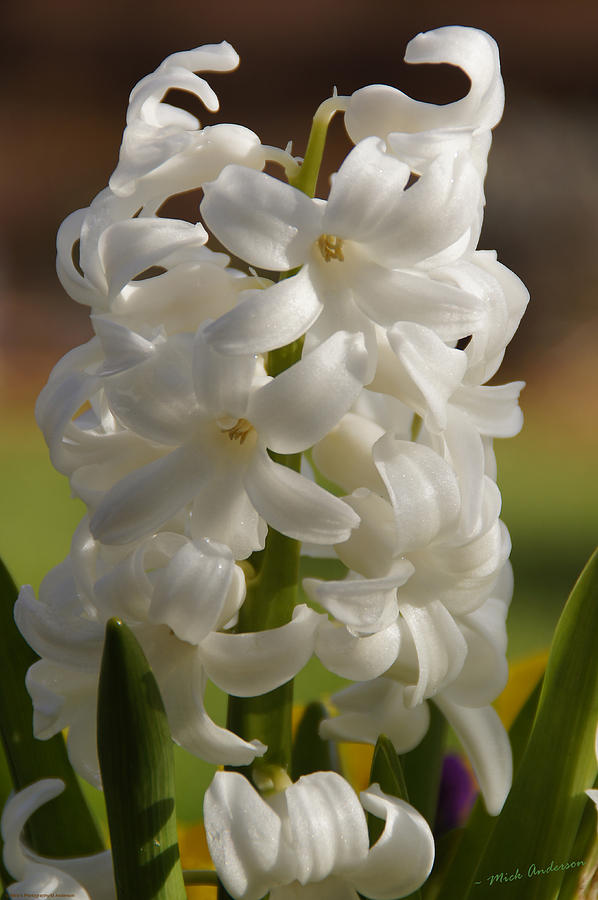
65, 826
585, 847
423, 767
310, 752
534, 834
137, 766
472, 840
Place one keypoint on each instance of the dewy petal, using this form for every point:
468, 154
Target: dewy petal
129, 247
380, 109
357, 658
266, 319
147, 498
254, 663
301, 405
422, 488
366, 183
223, 511
260, 219
364, 605
191, 592
487, 746
327, 826
295, 506
390, 295
94, 873
376, 707
425, 373
182, 682
440, 646
402, 857
243, 834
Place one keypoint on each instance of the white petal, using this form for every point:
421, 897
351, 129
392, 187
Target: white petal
493, 409
295, 506
47, 881
75, 641
441, 650
192, 592
304, 402
367, 182
422, 488
487, 746
256, 662
402, 857
267, 319
373, 708
223, 511
260, 219
344, 455
222, 383
364, 605
357, 658
327, 824
380, 110
425, 373
129, 247
147, 498
182, 681
370, 549
246, 858
94, 873
391, 295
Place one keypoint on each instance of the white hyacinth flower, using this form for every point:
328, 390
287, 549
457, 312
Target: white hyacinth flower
311, 840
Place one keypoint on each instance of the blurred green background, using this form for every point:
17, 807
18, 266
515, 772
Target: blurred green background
66, 70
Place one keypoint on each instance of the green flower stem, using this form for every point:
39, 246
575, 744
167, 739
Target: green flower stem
307, 177
272, 593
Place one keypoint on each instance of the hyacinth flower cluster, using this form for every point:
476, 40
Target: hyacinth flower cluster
314, 382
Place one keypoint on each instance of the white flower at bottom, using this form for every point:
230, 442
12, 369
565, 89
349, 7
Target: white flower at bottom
311, 840
79, 878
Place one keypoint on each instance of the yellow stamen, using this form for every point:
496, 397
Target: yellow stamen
239, 430
331, 247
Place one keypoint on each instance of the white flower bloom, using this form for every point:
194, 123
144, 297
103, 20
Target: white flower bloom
178, 596
364, 253
381, 110
311, 840
83, 878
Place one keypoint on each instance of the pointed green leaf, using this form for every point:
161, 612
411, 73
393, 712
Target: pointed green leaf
423, 767
585, 847
137, 766
534, 834
310, 752
65, 826
472, 840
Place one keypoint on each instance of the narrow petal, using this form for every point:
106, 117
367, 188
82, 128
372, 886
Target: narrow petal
295, 506
364, 605
487, 746
357, 658
402, 857
182, 682
75, 641
223, 512
245, 858
147, 498
344, 455
260, 219
266, 319
422, 488
327, 824
254, 663
367, 182
222, 383
298, 407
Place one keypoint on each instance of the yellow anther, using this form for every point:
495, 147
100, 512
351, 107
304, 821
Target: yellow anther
239, 430
331, 247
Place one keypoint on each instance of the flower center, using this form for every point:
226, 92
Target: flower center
238, 431
331, 247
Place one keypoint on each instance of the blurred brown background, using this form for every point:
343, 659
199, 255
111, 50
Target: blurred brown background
66, 69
